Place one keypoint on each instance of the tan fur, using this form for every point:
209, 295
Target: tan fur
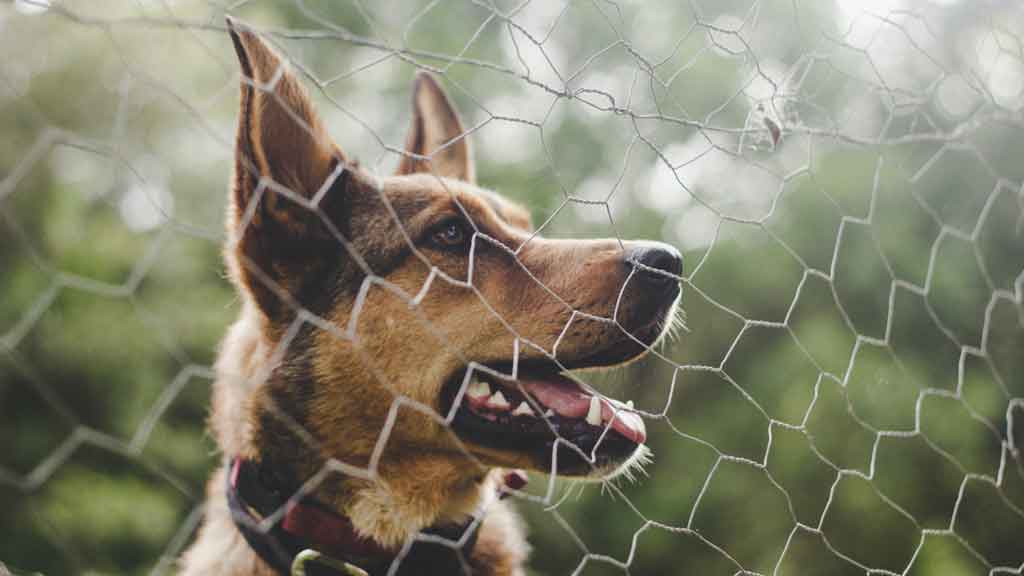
321, 396
219, 548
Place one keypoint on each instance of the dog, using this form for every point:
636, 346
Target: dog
403, 350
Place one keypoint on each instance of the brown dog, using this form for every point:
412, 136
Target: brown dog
365, 402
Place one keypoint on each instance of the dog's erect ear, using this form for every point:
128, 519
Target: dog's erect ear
280, 136
283, 144
437, 133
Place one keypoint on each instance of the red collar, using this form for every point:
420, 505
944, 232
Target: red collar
307, 524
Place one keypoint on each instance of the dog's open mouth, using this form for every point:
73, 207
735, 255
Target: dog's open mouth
530, 414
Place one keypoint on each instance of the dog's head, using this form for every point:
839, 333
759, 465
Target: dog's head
424, 287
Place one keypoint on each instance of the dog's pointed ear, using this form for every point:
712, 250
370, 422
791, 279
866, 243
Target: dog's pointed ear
288, 174
280, 135
436, 133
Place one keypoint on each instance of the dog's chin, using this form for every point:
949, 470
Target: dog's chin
545, 420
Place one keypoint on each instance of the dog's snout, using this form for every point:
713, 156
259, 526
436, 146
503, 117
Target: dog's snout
662, 257
656, 263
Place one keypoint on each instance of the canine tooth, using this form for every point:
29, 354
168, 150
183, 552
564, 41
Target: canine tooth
633, 422
629, 404
522, 409
498, 401
627, 419
594, 413
549, 413
478, 389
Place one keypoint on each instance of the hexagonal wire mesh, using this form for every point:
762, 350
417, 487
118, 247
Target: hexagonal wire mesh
844, 180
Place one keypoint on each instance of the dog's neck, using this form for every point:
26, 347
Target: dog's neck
405, 493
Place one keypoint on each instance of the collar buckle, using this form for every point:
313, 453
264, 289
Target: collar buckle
312, 557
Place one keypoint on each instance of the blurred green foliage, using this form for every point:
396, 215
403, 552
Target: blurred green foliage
855, 345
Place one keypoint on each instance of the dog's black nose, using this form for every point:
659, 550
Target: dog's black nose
656, 264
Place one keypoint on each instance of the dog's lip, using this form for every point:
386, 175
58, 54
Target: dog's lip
565, 397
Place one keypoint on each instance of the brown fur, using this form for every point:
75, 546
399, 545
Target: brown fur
326, 394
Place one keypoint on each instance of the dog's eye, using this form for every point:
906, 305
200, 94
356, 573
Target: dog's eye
450, 233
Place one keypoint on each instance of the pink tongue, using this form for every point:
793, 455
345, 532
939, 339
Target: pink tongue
566, 399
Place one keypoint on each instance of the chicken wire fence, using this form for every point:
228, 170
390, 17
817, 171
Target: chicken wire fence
844, 180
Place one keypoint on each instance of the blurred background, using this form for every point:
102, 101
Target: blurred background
845, 180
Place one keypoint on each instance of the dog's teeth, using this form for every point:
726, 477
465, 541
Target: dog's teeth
478, 389
594, 414
523, 409
629, 404
549, 413
499, 401
632, 421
